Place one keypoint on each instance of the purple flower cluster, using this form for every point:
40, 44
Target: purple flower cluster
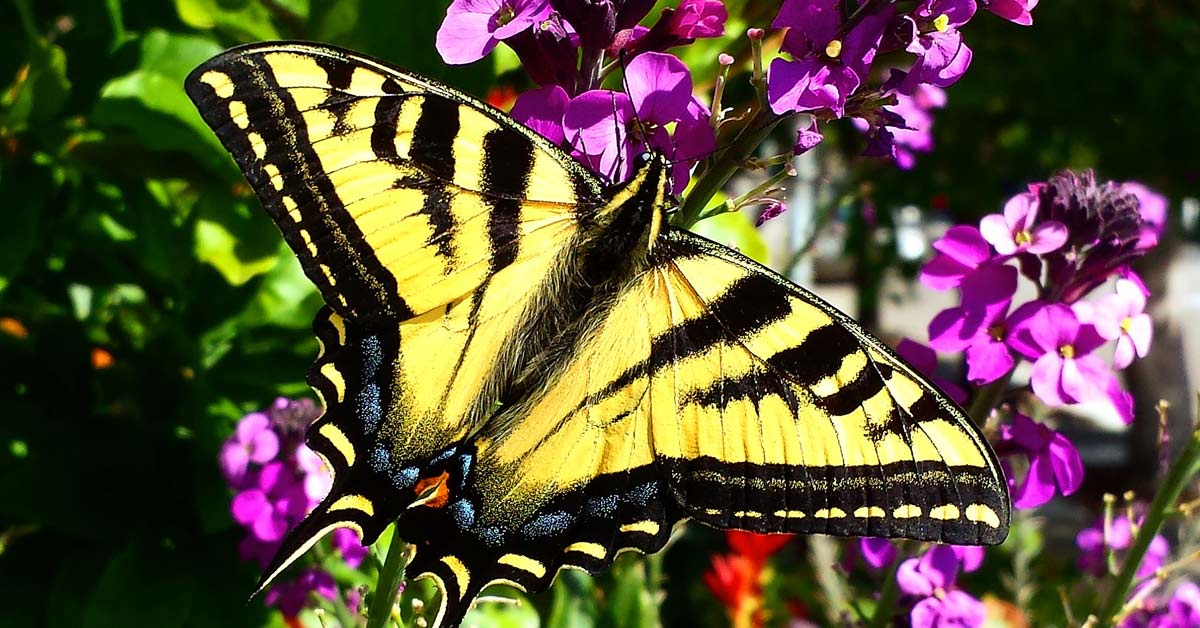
830, 56
569, 47
277, 480
1152, 606
928, 585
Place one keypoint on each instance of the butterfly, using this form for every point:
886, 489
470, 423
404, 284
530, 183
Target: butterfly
527, 369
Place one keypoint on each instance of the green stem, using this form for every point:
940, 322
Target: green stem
734, 205
888, 597
731, 158
987, 398
387, 588
1163, 505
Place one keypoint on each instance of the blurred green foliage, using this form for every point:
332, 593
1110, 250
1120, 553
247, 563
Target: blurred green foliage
146, 302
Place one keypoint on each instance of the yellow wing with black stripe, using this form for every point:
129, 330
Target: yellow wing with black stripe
398, 194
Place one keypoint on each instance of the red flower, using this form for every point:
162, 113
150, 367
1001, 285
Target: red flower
736, 578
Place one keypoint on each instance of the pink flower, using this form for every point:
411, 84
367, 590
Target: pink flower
317, 478
924, 360
254, 441
978, 326
472, 28
699, 18
1065, 370
347, 543
542, 110
877, 553
1153, 208
1054, 464
292, 596
274, 504
1122, 317
1097, 541
1015, 11
961, 251
1015, 231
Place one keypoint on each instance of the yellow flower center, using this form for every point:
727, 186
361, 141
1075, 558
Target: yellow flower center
1127, 324
833, 49
1067, 351
941, 22
1023, 237
505, 15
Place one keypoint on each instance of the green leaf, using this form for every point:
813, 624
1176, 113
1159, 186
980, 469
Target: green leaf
235, 238
630, 601
286, 297
150, 102
510, 610
734, 229
574, 604
244, 20
40, 89
136, 590
26, 190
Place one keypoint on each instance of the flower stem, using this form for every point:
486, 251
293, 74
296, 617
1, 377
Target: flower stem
889, 596
734, 205
987, 398
387, 588
731, 158
1186, 466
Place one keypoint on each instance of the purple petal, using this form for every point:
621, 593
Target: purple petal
251, 425
963, 611
988, 361
1124, 353
660, 87
861, 44
597, 122
790, 86
699, 18
1020, 211
918, 355
542, 110
1141, 332
943, 272
947, 330
990, 286
1025, 433
878, 553
1087, 340
269, 525
1055, 326
465, 37
912, 580
964, 244
234, 462
249, 505
1068, 466
812, 24
525, 14
264, 447
998, 233
1046, 379
927, 613
1039, 485
1121, 400
1048, 237
940, 565
971, 556
808, 138
1020, 336
1015, 11
1083, 378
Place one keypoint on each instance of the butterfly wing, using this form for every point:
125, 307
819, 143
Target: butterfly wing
713, 389
399, 195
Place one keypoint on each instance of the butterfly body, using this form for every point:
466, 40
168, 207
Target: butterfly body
526, 369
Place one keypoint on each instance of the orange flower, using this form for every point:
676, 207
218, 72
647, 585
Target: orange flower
736, 579
13, 327
101, 358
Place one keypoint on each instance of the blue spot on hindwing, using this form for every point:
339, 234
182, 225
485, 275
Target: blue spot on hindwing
602, 506
372, 356
463, 513
641, 495
370, 409
405, 478
548, 524
381, 460
442, 456
492, 536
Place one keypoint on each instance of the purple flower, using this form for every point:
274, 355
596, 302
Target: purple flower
924, 360
904, 129
1014, 231
273, 505
1054, 465
610, 128
542, 110
595, 21
956, 609
971, 556
978, 326
825, 71
878, 553
942, 56
807, 139
317, 478
549, 52
292, 596
1096, 542
699, 18
1064, 369
1153, 207
773, 210
1015, 11
472, 28
1183, 611
934, 571
932, 577
253, 441
1122, 317
961, 251
347, 542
